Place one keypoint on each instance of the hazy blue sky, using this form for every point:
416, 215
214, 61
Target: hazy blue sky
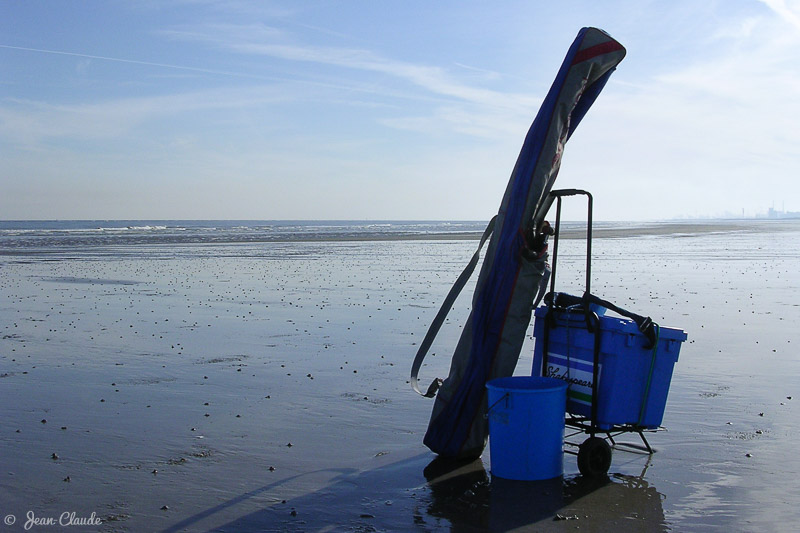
387, 110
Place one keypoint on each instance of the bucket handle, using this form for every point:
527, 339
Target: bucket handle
503, 397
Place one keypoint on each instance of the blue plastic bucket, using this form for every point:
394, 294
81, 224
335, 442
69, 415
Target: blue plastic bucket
526, 427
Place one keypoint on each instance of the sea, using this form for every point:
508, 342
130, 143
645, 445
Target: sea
21, 236
24, 240
30, 236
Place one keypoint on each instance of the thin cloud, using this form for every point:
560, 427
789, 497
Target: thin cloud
488, 74
260, 40
131, 61
25, 121
789, 12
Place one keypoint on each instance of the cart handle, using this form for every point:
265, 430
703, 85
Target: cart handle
558, 194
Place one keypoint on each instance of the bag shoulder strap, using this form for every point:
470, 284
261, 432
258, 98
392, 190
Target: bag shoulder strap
433, 330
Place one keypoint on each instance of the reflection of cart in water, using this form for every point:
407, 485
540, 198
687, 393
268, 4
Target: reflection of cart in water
464, 494
618, 369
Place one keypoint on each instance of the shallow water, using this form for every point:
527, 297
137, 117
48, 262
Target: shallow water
177, 376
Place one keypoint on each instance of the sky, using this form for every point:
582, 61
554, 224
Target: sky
390, 110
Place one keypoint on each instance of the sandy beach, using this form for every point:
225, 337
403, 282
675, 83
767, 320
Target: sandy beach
262, 386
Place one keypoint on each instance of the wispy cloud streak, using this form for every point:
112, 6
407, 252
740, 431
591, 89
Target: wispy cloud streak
25, 121
790, 12
261, 40
144, 63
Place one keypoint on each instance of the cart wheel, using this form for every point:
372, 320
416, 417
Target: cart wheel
594, 457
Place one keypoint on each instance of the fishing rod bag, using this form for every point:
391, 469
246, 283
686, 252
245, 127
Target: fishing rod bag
509, 279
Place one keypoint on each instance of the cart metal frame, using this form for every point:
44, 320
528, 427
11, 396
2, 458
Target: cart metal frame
594, 454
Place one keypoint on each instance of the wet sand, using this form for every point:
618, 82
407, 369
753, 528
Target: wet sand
263, 387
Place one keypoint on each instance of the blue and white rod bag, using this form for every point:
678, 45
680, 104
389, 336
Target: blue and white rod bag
509, 279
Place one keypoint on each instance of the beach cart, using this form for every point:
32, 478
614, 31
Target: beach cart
618, 368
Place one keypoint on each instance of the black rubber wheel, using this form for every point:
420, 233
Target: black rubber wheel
594, 457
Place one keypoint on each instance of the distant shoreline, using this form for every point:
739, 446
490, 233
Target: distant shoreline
678, 229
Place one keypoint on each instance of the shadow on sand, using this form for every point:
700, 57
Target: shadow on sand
414, 494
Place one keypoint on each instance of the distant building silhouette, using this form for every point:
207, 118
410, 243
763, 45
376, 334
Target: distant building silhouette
774, 213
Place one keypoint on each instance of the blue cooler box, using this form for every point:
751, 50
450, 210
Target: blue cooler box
624, 367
